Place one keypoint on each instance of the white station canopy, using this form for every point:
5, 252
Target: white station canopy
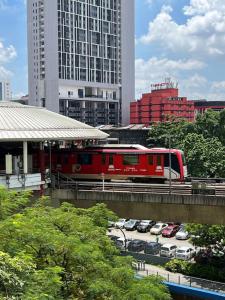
29, 123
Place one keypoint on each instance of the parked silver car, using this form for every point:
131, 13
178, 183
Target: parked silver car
182, 234
185, 253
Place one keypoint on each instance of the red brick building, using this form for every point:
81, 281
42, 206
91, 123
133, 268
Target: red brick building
160, 105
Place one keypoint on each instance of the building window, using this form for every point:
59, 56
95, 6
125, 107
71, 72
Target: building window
80, 93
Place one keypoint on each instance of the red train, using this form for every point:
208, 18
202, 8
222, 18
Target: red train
132, 162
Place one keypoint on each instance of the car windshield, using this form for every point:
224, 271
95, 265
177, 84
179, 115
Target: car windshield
157, 226
131, 222
168, 229
137, 242
165, 249
151, 244
144, 222
121, 220
181, 251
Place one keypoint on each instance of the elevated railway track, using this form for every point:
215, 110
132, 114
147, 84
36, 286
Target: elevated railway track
190, 202
190, 188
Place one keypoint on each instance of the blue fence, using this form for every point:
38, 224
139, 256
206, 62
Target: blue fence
194, 292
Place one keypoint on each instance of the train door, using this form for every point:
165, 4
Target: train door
155, 164
159, 160
107, 163
111, 166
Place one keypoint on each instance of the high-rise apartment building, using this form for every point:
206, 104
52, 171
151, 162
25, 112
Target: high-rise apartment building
5, 91
81, 58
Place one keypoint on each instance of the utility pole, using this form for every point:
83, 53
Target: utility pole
170, 164
125, 239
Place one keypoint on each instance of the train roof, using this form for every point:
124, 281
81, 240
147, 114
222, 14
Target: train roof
130, 149
118, 146
137, 149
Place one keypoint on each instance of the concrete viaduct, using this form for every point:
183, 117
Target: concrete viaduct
181, 208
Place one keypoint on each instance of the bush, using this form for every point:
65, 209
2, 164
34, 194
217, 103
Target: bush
177, 266
209, 271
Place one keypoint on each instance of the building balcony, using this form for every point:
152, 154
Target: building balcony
89, 98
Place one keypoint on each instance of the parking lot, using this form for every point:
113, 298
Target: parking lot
149, 237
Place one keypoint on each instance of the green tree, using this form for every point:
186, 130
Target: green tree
203, 142
12, 202
70, 256
205, 156
208, 124
208, 236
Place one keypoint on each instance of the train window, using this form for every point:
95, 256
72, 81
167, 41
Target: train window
84, 159
130, 159
159, 160
66, 159
184, 159
174, 162
58, 159
150, 160
111, 159
103, 159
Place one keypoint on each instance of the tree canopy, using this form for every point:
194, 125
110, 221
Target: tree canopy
203, 142
64, 253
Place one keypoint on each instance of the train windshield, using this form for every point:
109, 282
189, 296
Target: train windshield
183, 159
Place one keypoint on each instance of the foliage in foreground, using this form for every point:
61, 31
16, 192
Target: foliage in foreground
203, 142
64, 253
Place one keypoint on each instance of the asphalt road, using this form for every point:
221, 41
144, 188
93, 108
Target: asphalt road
149, 237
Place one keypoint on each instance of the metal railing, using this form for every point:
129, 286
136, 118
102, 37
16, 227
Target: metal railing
64, 182
180, 279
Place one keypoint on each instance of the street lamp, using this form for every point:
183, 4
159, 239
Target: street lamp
125, 239
170, 163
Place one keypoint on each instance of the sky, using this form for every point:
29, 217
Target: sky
180, 39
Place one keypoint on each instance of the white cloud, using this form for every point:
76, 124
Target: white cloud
202, 34
191, 84
3, 4
199, 7
4, 73
10, 5
154, 70
219, 86
6, 55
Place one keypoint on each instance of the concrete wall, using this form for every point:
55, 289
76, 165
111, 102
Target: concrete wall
180, 208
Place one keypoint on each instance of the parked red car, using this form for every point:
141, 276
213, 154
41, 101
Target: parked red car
170, 230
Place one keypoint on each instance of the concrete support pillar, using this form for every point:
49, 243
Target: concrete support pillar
42, 167
25, 158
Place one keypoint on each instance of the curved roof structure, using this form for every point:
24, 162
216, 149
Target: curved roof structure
28, 123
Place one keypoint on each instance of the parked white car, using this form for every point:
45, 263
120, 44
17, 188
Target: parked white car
168, 250
158, 227
120, 223
120, 243
185, 253
182, 234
